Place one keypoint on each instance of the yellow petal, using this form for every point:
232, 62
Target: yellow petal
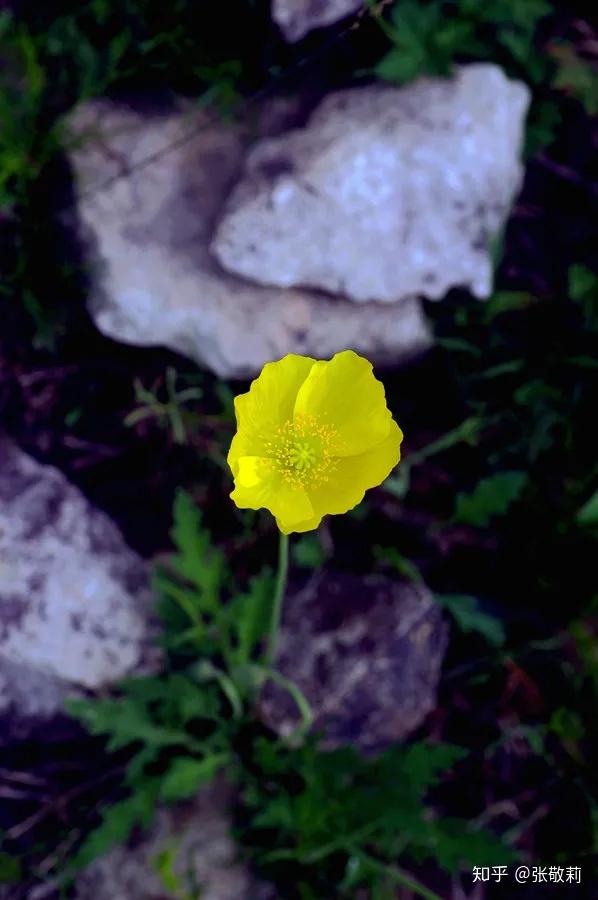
267, 405
307, 525
354, 475
344, 394
258, 485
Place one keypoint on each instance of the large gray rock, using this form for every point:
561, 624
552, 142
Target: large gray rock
386, 193
205, 858
366, 653
75, 606
153, 280
297, 17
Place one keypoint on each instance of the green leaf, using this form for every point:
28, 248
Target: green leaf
10, 869
127, 722
566, 724
308, 551
582, 281
491, 497
588, 514
469, 617
426, 41
250, 614
399, 67
163, 865
424, 763
544, 119
583, 290
457, 845
197, 560
575, 75
507, 301
186, 775
403, 566
118, 822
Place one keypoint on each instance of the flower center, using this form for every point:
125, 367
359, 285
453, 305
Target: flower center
301, 451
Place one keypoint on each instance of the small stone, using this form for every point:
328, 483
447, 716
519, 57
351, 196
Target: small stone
386, 193
366, 652
297, 17
75, 604
150, 188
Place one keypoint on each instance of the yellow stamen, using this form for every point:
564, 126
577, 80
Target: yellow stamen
301, 451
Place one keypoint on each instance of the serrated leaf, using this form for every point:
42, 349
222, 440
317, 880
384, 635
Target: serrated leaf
423, 763
118, 822
456, 845
249, 616
197, 560
468, 615
186, 775
126, 722
491, 497
575, 75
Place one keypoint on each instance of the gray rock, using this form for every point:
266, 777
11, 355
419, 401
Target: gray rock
153, 280
74, 599
297, 17
365, 652
198, 833
386, 193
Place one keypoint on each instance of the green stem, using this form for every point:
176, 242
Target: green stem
399, 876
279, 591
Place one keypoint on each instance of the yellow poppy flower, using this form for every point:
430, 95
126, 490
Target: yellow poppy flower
312, 437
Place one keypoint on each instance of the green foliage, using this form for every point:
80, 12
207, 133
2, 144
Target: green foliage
399, 562
181, 728
588, 514
575, 75
346, 814
425, 41
430, 38
22, 155
308, 552
186, 776
10, 869
566, 724
117, 823
583, 290
470, 617
169, 413
491, 497
164, 865
467, 432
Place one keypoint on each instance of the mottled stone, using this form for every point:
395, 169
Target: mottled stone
74, 599
153, 280
297, 17
366, 652
386, 193
205, 857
